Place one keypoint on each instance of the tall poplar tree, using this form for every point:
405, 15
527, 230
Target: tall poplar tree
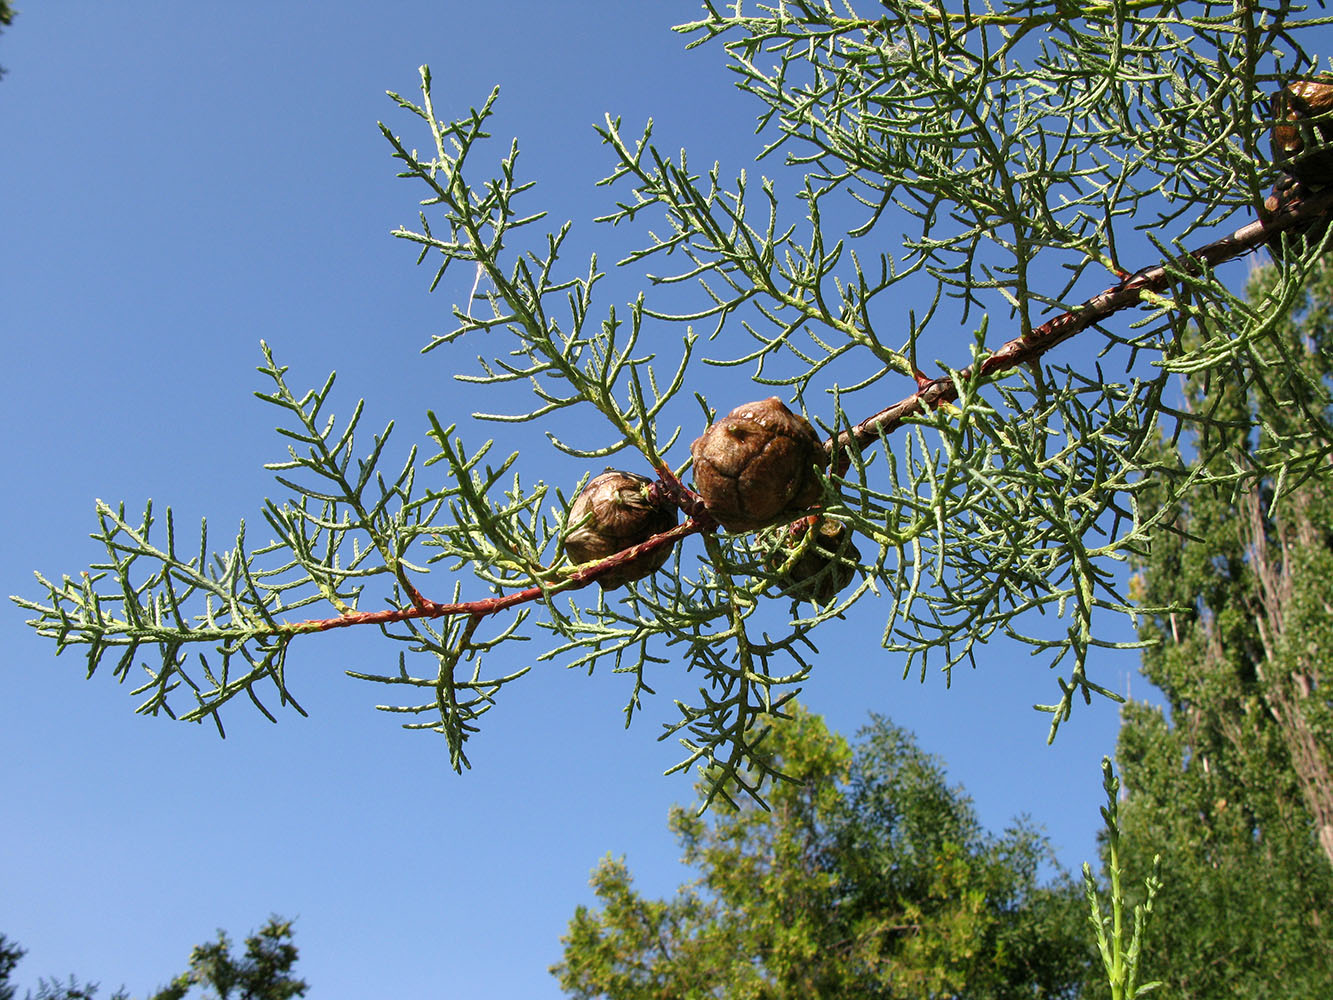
1231, 784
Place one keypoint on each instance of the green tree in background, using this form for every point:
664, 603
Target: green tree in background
70, 989
10, 954
264, 972
869, 877
6, 19
1233, 789
47, 989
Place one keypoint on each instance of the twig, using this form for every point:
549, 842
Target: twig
930, 394
1129, 292
425, 608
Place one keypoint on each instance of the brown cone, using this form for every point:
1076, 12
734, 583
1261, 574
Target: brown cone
756, 466
827, 565
1303, 130
611, 514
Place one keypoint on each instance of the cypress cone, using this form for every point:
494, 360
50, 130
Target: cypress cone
756, 466
613, 512
1303, 130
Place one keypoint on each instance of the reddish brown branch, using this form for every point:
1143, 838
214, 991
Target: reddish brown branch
1295, 213
413, 594
1291, 215
686, 499
425, 608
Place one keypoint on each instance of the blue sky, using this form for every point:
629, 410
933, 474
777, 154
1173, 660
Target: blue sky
184, 180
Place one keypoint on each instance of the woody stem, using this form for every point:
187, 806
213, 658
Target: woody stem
930, 393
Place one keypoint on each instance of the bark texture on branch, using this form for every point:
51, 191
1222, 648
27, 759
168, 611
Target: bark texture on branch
1295, 213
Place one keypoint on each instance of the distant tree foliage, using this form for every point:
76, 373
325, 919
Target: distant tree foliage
10, 953
869, 877
264, 972
1233, 787
70, 989
6, 19
47, 989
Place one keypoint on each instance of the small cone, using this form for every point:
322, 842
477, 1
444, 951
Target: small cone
612, 513
827, 565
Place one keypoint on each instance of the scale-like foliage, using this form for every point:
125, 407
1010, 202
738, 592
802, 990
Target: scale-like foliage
1002, 164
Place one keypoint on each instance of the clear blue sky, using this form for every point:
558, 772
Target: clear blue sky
182, 180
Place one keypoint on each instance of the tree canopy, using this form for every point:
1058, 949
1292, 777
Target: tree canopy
263, 972
1025, 174
868, 877
6, 19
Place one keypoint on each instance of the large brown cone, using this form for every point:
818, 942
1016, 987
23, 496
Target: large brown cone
612, 513
1303, 130
756, 466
